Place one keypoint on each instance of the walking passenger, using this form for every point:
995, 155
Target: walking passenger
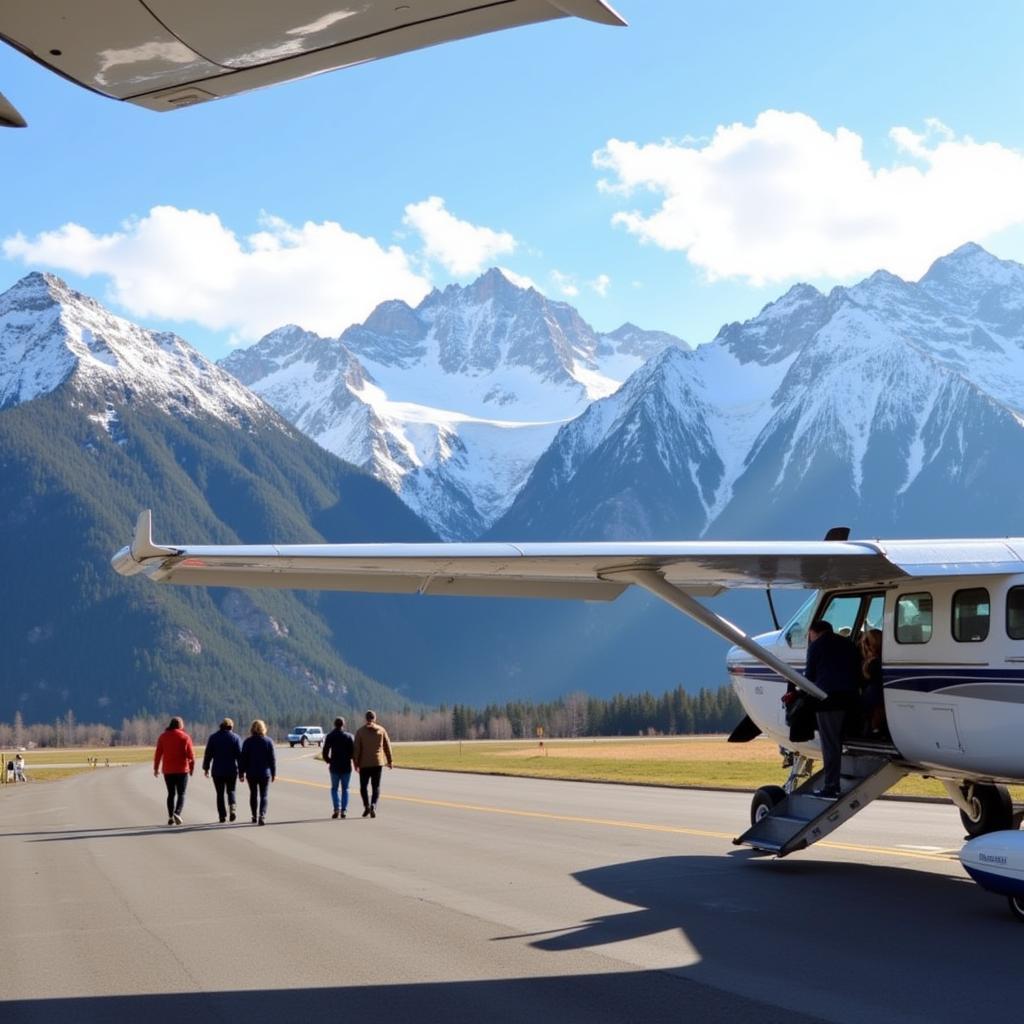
834, 665
222, 756
372, 752
258, 767
338, 750
174, 750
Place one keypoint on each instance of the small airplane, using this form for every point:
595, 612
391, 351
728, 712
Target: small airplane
951, 613
168, 54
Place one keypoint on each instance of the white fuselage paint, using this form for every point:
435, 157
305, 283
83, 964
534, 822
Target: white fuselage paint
955, 708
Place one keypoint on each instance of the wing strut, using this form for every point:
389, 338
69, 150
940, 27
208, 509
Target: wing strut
656, 584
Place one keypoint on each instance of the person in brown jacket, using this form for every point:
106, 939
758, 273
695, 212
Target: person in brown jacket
372, 752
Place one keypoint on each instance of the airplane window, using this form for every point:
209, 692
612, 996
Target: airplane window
873, 616
842, 611
971, 612
1015, 613
796, 629
913, 618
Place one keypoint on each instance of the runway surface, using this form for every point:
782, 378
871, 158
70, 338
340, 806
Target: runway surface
482, 899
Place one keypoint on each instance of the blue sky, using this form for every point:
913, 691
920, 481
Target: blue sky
502, 130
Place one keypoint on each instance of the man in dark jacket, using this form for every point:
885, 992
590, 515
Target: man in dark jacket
834, 665
338, 749
223, 752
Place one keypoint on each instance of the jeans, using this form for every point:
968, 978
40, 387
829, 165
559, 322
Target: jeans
258, 790
830, 733
342, 778
175, 783
366, 776
224, 785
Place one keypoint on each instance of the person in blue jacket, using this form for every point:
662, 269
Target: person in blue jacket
338, 750
258, 767
223, 753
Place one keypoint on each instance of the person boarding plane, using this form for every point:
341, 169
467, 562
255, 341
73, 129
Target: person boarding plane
951, 613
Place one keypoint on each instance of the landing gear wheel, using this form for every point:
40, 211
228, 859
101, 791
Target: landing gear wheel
1017, 907
991, 809
766, 799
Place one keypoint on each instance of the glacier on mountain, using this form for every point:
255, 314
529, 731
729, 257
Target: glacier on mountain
450, 403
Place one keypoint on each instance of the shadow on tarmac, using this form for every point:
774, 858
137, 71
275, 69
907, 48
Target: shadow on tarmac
134, 831
917, 944
649, 997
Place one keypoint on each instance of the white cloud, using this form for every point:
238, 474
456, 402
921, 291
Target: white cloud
565, 283
785, 198
186, 265
462, 248
600, 284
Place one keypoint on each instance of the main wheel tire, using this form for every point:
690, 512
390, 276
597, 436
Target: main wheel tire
766, 799
1017, 907
992, 809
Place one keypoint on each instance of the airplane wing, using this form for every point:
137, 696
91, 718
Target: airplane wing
591, 571
165, 54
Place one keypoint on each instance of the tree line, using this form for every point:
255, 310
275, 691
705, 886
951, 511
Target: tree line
674, 713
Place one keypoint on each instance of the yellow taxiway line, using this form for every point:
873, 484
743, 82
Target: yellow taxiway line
889, 851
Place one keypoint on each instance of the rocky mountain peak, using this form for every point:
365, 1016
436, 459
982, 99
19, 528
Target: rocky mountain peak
51, 334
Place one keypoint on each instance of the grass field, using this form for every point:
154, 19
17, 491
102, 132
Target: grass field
699, 761
48, 764
692, 761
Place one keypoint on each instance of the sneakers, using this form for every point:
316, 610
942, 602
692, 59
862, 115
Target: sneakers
254, 819
222, 819
261, 822
170, 821
366, 812
373, 810
232, 815
342, 814
176, 818
335, 814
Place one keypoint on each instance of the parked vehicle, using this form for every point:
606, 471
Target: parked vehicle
304, 735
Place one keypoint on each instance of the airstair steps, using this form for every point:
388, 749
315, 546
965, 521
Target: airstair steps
802, 819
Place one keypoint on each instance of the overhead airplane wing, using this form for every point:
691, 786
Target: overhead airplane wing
674, 571
165, 54
591, 571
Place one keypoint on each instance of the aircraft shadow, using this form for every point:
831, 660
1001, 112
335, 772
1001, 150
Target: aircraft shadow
616, 998
911, 942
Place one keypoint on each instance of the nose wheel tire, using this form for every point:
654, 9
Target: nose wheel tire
991, 809
766, 799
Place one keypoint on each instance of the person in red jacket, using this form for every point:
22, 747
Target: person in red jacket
174, 749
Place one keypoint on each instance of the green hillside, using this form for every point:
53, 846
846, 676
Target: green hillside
76, 636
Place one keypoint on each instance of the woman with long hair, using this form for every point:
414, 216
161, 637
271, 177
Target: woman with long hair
872, 696
258, 767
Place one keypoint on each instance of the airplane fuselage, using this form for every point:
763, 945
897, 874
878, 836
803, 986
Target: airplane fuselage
953, 670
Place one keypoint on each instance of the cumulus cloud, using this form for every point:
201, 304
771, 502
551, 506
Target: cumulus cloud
186, 265
600, 284
565, 283
786, 198
462, 248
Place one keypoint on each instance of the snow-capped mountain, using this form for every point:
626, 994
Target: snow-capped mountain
100, 418
450, 403
891, 404
49, 334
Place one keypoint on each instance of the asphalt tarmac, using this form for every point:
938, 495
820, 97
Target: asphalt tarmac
472, 898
